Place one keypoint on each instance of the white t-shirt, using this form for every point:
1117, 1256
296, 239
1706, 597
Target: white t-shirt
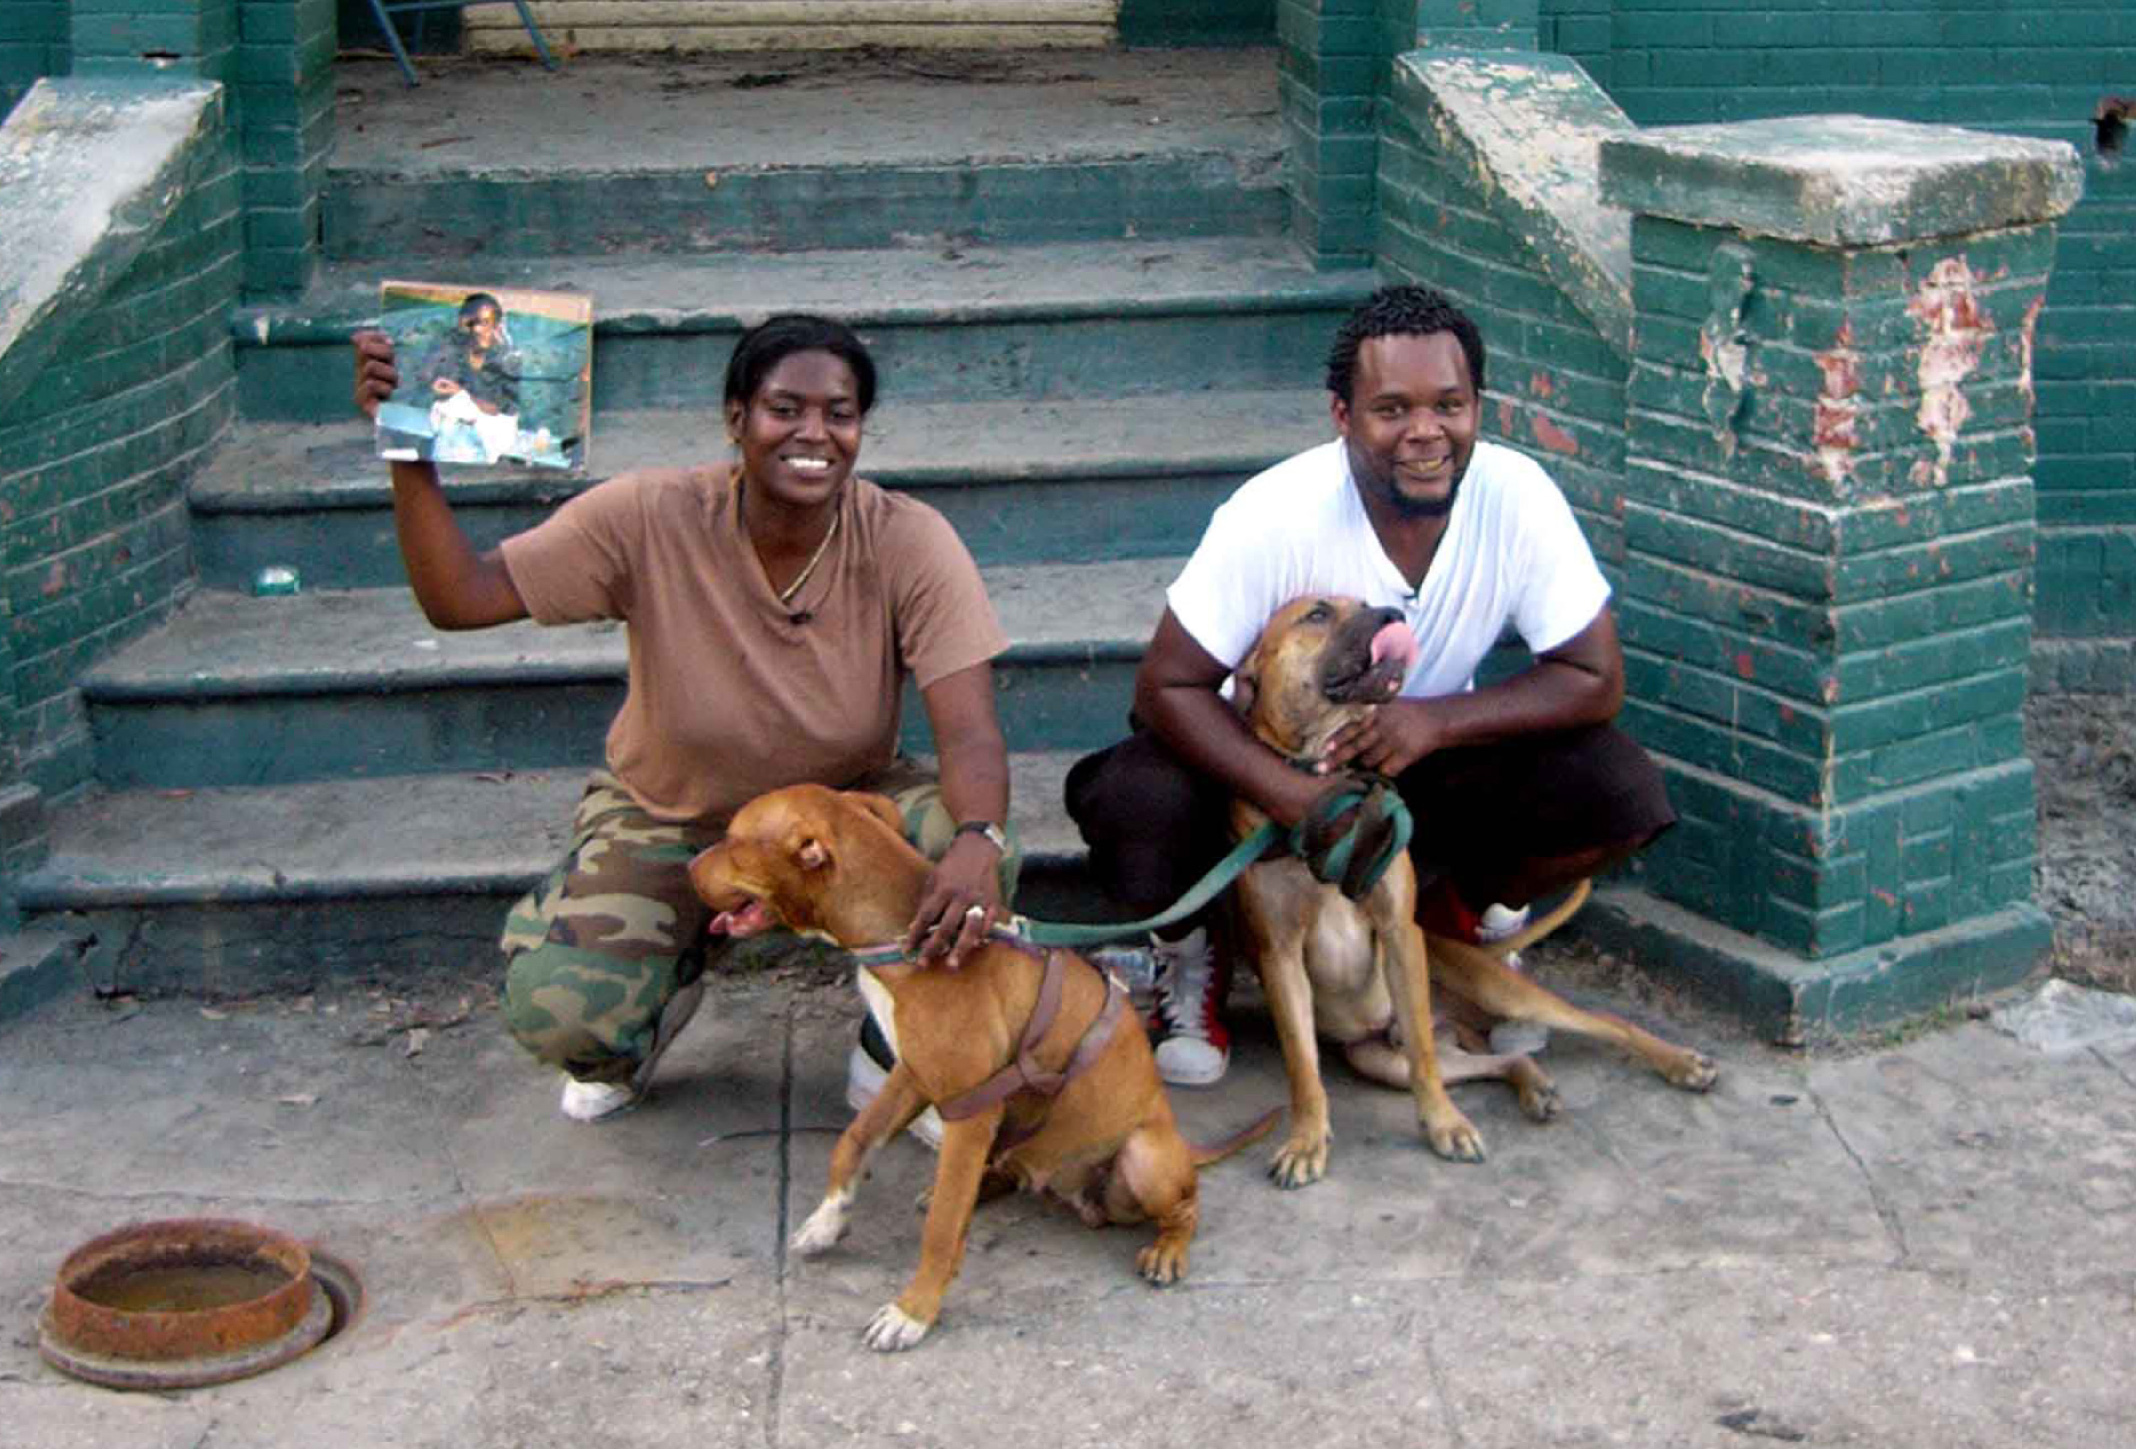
1512, 553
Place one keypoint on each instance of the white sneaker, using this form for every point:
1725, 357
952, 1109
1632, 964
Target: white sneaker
1193, 1046
592, 1101
1511, 1038
864, 1080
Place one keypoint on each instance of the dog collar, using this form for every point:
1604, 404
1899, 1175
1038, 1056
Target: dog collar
892, 953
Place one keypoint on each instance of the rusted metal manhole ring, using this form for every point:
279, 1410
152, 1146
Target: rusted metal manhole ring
190, 1302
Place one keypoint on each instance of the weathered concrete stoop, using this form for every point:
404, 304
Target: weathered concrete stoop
242, 691
300, 789
1023, 482
1783, 371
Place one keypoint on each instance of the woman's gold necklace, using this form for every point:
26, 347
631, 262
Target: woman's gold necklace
786, 595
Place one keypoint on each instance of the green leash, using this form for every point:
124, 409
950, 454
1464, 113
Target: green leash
1382, 818
1229, 869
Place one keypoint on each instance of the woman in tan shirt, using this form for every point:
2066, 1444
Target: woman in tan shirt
775, 603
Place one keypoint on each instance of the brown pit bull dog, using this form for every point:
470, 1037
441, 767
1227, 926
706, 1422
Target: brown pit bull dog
1361, 972
1042, 1080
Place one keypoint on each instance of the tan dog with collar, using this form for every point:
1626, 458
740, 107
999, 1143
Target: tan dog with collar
1361, 973
834, 864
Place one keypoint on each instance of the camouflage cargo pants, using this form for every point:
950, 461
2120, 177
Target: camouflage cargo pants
593, 953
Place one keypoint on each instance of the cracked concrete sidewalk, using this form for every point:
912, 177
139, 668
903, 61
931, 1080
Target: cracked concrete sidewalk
1922, 1244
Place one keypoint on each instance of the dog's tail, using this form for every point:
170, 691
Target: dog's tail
1536, 930
1245, 1137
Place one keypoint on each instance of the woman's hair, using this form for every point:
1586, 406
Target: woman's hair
769, 343
1406, 311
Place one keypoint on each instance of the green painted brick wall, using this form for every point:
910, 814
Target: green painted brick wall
1824, 883
35, 41
194, 37
1196, 22
1580, 29
1478, 24
2037, 69
94, 458
284, 90
1331, 63
1830, 649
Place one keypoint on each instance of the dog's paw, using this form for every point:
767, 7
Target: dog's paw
1456, 1140
1162, 1262
825, 1226
1693, 1071
1539, 1099
892, 1330
1299, 1163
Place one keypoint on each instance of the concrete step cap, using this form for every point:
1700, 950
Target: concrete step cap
224, 645
487, 832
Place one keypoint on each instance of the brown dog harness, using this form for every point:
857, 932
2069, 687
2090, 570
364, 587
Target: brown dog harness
1025, 1074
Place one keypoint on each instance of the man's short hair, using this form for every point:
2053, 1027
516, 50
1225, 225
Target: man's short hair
1404, 311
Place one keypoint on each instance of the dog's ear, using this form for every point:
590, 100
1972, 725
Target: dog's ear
882, 807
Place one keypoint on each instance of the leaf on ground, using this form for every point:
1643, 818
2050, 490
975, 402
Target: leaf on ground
298, 1099
213, 1015
417, 1040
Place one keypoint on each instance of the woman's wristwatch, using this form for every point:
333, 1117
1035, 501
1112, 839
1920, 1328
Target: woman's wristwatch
994, 834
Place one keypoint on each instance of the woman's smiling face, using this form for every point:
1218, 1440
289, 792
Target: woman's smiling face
800, 433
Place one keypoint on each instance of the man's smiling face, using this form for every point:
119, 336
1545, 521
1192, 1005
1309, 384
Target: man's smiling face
1410, 422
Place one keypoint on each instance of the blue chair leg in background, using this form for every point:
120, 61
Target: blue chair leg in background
385, 10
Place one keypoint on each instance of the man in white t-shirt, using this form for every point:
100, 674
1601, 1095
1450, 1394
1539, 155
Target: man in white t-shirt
1518, 788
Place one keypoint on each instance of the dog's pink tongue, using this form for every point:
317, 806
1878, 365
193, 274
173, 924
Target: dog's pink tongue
747, 921
1395, 640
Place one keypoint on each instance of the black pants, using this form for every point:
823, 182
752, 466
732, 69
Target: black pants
1155, 826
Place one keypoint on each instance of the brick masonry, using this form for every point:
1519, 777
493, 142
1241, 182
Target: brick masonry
284, 84
136, 387
1828, 526
1809, 477
34, 42
2037, 70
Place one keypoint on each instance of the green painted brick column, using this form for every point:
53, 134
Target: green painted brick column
1334, 59
1829, 539
284, 86
1331, 59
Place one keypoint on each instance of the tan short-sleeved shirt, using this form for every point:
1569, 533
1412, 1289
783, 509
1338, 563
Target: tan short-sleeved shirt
728, 696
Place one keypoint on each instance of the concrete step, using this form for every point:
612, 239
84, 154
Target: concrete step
1023, 482
354, 684
960, 324
36, 965
687, 156
236, 891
